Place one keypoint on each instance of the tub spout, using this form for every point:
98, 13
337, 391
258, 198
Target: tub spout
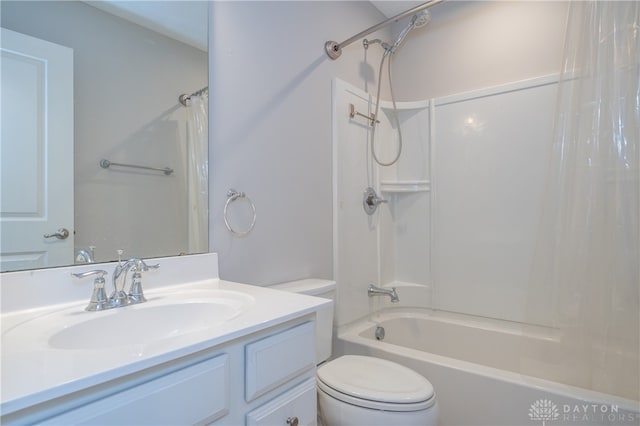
377, 291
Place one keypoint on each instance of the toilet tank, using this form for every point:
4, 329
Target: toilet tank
324, 317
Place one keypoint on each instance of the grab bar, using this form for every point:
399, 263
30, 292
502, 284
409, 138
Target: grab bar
105, 164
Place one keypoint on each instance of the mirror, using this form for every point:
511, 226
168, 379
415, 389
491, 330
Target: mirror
95, 142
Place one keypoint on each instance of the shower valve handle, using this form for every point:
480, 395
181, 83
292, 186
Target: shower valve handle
371, 201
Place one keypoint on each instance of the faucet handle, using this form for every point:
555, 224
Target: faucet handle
99, 299
136, 294
98, 272
141, 265
371, 201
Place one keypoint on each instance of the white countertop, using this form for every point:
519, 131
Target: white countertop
33, 373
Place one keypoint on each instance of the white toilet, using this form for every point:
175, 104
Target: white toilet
362, 390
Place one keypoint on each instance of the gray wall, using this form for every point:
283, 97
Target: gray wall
271, 130
271, 116
474, 44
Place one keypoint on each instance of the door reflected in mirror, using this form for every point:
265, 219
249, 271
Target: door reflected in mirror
91, 83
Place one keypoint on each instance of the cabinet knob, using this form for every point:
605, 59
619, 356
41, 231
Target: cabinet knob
292, 421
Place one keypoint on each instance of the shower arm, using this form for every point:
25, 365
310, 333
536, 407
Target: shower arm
334, 50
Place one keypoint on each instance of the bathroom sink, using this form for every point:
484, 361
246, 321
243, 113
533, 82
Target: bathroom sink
131, 326
162, 317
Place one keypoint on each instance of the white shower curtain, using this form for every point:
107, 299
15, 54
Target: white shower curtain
586, 274
198, 172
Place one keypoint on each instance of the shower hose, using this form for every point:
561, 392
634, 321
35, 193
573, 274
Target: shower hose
395, 113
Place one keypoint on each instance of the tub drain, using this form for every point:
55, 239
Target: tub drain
379, 333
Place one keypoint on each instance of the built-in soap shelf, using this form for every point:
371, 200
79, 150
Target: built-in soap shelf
405, 186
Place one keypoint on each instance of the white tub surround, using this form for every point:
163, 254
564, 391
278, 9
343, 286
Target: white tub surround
473, 363
463, 226
41, 377
470, 161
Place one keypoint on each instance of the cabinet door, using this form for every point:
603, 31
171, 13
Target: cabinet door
198, 394
276, 359
299, 402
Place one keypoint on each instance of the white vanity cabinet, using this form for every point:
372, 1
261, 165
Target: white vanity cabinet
294, 407
197, 394
273, 361
264, 378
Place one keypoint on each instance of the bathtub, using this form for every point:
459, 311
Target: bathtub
473, 364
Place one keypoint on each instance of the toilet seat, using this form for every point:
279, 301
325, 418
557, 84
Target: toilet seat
375, 383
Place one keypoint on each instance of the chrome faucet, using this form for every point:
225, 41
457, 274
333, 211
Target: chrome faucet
119, 278
377, 291
84, 256
99, 301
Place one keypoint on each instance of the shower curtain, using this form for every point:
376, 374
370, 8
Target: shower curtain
586, 272
198, 167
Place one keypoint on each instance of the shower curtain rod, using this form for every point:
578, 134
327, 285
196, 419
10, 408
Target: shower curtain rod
334, 50
184, 98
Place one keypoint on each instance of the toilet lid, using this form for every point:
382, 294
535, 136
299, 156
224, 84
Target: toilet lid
375, 379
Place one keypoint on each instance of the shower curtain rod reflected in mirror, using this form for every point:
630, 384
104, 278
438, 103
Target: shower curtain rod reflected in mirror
184, 98
334, 49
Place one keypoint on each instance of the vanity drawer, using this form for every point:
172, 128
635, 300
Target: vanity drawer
298, 403
276, 359
198, 394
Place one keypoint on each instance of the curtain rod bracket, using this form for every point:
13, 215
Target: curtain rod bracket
185, 99
333, 49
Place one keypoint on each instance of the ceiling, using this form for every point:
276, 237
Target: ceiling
393, 8
187, 21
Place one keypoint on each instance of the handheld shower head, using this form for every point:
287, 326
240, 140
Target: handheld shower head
418, 20
421, 19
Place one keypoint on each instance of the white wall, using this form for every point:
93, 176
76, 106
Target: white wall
391, 245
127, 80
271, 131
490, 154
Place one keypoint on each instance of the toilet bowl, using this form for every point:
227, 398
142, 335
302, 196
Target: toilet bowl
363, 390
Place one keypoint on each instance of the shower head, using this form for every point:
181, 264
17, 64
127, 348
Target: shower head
421, 19
418, 20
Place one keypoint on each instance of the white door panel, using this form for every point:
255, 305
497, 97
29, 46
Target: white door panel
36, 152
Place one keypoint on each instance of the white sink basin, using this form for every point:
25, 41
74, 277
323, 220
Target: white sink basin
164, 316
131, 326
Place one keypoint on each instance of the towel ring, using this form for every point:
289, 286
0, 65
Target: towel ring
233, 195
